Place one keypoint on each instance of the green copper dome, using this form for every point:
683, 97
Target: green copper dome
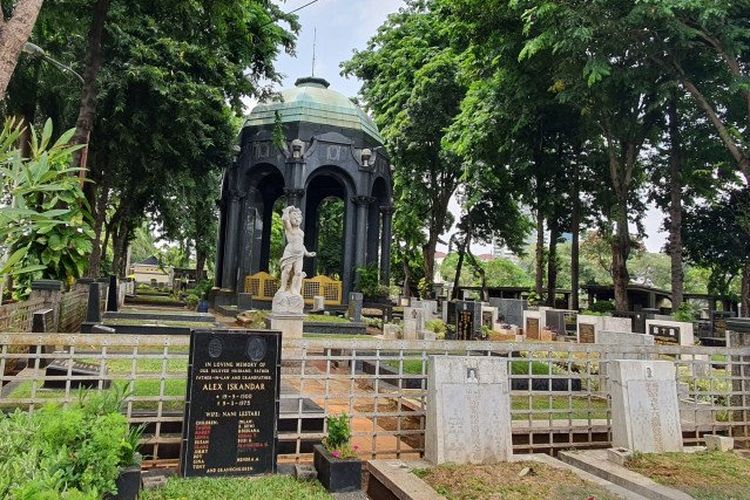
312, 101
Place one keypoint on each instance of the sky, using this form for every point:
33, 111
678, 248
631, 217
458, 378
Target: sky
341, 26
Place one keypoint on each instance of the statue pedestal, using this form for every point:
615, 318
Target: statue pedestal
290, 325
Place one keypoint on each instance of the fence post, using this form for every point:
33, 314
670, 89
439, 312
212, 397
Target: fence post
50, 291
738, 337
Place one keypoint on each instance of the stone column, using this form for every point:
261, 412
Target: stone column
229, 272
50, 291
294, 197
362, 202
385, 244
350, 236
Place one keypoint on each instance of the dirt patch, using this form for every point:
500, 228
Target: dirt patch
505, 481
707, 475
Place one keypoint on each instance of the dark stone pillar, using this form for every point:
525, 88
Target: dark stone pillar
93, 313
265, 242
311, 233
229, 271
385, 245
220, 247
247, 238
294, 197
362, 202
113, 294
373, 234
347, 273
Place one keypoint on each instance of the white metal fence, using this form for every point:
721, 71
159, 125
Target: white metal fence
559, 390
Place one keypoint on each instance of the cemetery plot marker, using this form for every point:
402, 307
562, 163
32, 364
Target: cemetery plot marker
232, 405
645, 408
468, 410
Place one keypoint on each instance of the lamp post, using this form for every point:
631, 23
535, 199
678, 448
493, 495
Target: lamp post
37, 51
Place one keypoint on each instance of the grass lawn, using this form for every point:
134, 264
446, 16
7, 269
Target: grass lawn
266, 487
578, 406
325, 318
706, 476
476, 481
159, 322
336, 336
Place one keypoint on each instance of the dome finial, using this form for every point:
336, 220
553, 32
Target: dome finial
312, 81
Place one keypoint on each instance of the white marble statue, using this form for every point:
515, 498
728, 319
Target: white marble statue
288, 299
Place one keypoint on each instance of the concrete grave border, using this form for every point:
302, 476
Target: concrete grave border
596, 462
396, 477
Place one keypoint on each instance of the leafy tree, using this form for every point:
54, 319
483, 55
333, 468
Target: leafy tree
716, 237
330, 246
411, 84
45, 230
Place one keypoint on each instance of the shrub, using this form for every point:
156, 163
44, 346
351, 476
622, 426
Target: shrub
438, 326
602, 306
368, 282
686, 312
337, 442
75, 452
192, 301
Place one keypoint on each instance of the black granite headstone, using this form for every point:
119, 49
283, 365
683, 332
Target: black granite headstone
468, 320
113, 294
555, 321
665, 334
232, 406
93, 313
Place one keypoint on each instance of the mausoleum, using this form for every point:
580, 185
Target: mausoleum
311, 146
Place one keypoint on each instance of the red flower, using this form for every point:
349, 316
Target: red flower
336, 454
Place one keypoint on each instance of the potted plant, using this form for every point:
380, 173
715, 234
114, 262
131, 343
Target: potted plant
336, 462
129, 481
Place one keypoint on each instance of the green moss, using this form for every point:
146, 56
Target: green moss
233, 488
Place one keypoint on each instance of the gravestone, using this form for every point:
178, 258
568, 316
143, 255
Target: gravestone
87, 375
645, 407
391, 331
93, 313
468, 320
586, 333
319, 303
232, 406
589, 326
468, 410
113, 294
413, 322
532, 326
430, 308
555, 321
719, 322
355, 306
510, 311
670, 332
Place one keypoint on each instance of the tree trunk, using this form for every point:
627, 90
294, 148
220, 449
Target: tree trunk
97, 249
554, 234
745, 294
539, 283
460, 265
200, 264
620, 253
575, 229
13, 35
89, 93
675, 205
406, 292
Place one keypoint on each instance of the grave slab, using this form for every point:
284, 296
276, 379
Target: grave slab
645, 407
468, 410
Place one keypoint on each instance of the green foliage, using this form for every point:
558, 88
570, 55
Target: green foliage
368, 282
74, 452
192, 301
438, 326
498, 272
602, 306
686, 312
45, 230
330, 249
337, 441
